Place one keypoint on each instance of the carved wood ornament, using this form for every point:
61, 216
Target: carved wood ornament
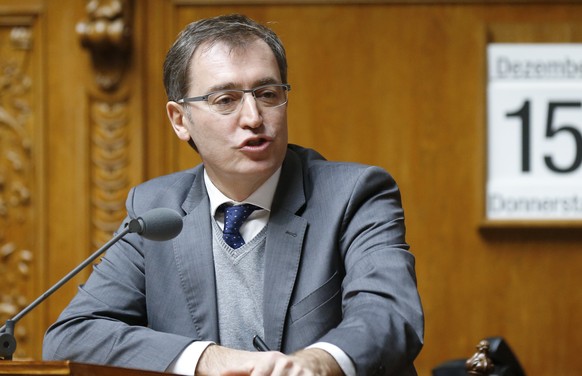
106, 33
16, 172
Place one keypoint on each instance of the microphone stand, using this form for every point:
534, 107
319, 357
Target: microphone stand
7, 339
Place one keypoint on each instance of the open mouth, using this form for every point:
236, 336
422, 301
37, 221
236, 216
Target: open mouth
257, 142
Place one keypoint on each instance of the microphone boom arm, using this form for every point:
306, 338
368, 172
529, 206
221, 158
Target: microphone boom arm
7, 340
157, 224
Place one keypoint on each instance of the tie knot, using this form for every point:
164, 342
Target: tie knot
234, 217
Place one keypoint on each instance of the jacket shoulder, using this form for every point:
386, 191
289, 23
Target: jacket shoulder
168, 191
315, 166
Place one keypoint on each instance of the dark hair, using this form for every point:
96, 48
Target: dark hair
234, 29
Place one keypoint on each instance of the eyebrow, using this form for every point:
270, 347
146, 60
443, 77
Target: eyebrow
234, 86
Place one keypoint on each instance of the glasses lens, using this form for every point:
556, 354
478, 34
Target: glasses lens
271, 96
229, 101
225, 102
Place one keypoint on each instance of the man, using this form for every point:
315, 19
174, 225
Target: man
320, 268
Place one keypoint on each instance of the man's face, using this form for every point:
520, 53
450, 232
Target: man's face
249, 144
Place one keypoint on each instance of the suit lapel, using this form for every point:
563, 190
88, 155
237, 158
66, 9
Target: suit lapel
194, 260
285, 234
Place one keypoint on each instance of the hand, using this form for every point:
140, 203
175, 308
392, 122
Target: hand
218, 360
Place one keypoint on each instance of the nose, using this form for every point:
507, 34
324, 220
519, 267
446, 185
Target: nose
250, 115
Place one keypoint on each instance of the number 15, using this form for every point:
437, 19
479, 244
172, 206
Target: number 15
551, 131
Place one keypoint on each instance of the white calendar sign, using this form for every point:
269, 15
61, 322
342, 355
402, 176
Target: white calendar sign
534, 132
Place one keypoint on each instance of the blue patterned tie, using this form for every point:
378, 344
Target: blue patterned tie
234, 216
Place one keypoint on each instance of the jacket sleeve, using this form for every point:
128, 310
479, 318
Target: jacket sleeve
107, 322
382, 327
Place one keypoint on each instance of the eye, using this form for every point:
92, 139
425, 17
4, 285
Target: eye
266, 93
224, 98
270, 94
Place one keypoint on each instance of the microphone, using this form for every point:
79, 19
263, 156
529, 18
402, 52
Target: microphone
157, 224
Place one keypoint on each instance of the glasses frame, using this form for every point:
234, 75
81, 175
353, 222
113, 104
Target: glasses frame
204, 98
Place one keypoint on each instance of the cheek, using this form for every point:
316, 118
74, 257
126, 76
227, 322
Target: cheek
211, 137
278, 120
282, 129
200, 129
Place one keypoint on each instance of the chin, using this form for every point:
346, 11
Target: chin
259, 168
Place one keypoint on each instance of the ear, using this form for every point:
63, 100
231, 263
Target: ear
179, 119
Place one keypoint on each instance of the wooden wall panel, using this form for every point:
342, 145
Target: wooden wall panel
95, 129
71, 137
65, 74
22, 188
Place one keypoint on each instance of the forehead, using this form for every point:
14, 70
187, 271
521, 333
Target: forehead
221, 65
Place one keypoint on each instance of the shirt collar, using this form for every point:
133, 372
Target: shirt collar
262, 197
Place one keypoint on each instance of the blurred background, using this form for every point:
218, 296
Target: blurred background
399, 84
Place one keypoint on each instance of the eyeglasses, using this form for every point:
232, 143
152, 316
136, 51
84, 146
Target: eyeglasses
228, 101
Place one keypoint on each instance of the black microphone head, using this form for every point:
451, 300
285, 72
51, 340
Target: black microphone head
157, 224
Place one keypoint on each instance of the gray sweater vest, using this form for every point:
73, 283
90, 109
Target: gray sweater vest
239, 288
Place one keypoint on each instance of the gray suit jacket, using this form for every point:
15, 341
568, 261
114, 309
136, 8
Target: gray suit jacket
337, 270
